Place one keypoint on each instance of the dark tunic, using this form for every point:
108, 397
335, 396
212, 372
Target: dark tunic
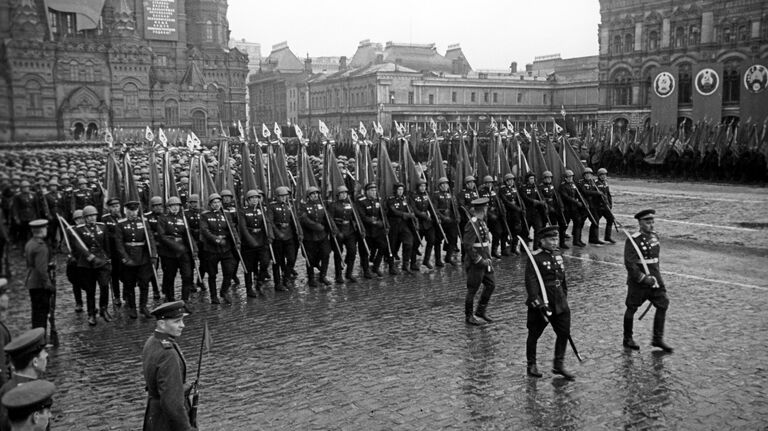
165, 371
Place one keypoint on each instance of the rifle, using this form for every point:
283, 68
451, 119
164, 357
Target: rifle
360, 227
149, 246
547, 313
616, 225
645, 268
298, 227
234, 238
191, 244
437, 219
266, 227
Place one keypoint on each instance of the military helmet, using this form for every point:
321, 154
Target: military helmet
442, 180
342, 189
252, 193
602, 171
588, 171
487, 179
24, 183
90, 210
469, 178
53, 182
77, 214
227, 192
281, 191
396, 186
530, 174
547, 174
421, 181
312, 189
509, 177
155, 200
213, 196
82, 181
568, 173
193, 198
173, 200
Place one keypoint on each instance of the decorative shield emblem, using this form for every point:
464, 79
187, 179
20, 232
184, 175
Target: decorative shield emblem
756, 78
707, 81
664, 84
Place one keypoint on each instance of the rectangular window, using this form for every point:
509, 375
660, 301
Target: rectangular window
410, 98
485, 97
472, 96
495, 97
519, 97
544, 99
453, 97
431, 99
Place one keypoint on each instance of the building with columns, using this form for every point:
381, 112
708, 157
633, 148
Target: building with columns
68, 69
684, 61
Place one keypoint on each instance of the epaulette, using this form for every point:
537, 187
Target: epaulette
166, 344
636, 234
99, 223
535, 252
474, 219
122, 220
361, 198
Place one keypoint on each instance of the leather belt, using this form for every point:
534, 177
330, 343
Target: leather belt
343, 222
481, 244
135, 244
177, 239
652, 260
256, 230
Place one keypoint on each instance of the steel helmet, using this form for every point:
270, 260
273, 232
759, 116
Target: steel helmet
602, 171
568, 173
90, 210
487, 179
77, 214
173, 200
252, 193
156, 200
312, 189
213, 196
468, 178
442, 180
226, 192
282, 191
588, 171
509, 177
342, 189
193, 198
547, 174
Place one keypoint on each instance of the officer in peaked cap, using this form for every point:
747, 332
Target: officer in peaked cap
29, 358
478, 265
29, 405
38, 281
165, 371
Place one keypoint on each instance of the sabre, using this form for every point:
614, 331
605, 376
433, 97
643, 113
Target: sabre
645, 269
548, 313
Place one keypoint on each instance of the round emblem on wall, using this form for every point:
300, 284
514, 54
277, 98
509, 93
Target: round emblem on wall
756, 78
664, 84
707, 81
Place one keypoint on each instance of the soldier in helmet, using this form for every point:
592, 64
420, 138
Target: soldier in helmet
493, 217
314, 223
229, 206
604, 206
110, 220
25, 207
422, 208
175, 249
152, 217
219, 241
594, 199
553, 208
371, 211
136, 247
348, 234
574, 207
514, 211
535, 206
448, 215
56, 205
287, 237
193, 220
83, 196
402, 228
93, 263
468, 194
257, 236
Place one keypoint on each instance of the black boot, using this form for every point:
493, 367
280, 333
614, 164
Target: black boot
559, 369
348, 274
471, 320
438, 256
324, 279
311, 277
339, 278
392, 269
533, 370
658, 342
563, 245
427, 256
481, 313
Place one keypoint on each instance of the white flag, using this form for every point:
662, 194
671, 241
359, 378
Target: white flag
363, 130
278, 132
433, 125
108, 138
558, 129
323, 128
380, 130
161, 136
510, 128
190, 143
241, 130
354, 135
298, 132
265, 131
148, 135
493, 123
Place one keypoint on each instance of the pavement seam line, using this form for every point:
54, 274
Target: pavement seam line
677, 195
678, 274
746, 229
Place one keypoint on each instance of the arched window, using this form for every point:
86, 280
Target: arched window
88, 72
171, 113
34, 104
743, 33
199, 123
731, 82
726, 34
131, 98
686, 83
74, 71
694, 34
679, 37
208, 31
622, 88
653, 40
617, 44
629, 42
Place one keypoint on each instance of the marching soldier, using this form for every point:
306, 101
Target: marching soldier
135, 245
594, 199
494, 221
24, 208
38, 281
93, 263
468, 194
549, 262
72, 271
193, 218
175, 250
55, 203
510, 198
372, 213
219, 245
316, 242
574, 208
478, 265
257, 238
229, 206
534, 204
644, 282
553, 209
29, 358
165, 371
83, 196
401, 228
287, 236
110, 220
605, 206
448, 214
152, 217
343, 214
422, 208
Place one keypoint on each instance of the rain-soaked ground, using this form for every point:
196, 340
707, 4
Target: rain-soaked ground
394, 353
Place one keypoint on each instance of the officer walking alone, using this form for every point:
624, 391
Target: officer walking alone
476, 243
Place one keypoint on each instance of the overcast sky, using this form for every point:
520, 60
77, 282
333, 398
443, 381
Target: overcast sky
492, 34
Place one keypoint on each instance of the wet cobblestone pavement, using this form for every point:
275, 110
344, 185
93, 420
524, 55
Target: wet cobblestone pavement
394, 353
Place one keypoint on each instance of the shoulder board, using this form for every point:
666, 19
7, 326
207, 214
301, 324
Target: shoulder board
636, 234
535, 252
361, 198
148, 213
122, 220
166, 344
98, 223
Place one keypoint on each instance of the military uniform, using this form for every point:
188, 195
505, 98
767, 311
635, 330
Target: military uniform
38, 281
494, 220
175, 254
316, 240
422, 208
55, 203
448, 213
534, 214
24, 208
401, 229
604, 206
81, 198
284, 246
94, 265
135, 249
110, 222
370, 211
193, 220
219, 246
343, 215
574, 210
256, 236
476, 243
514, 212
554, 210
25, 346
594, 198
550, 264
640, 287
